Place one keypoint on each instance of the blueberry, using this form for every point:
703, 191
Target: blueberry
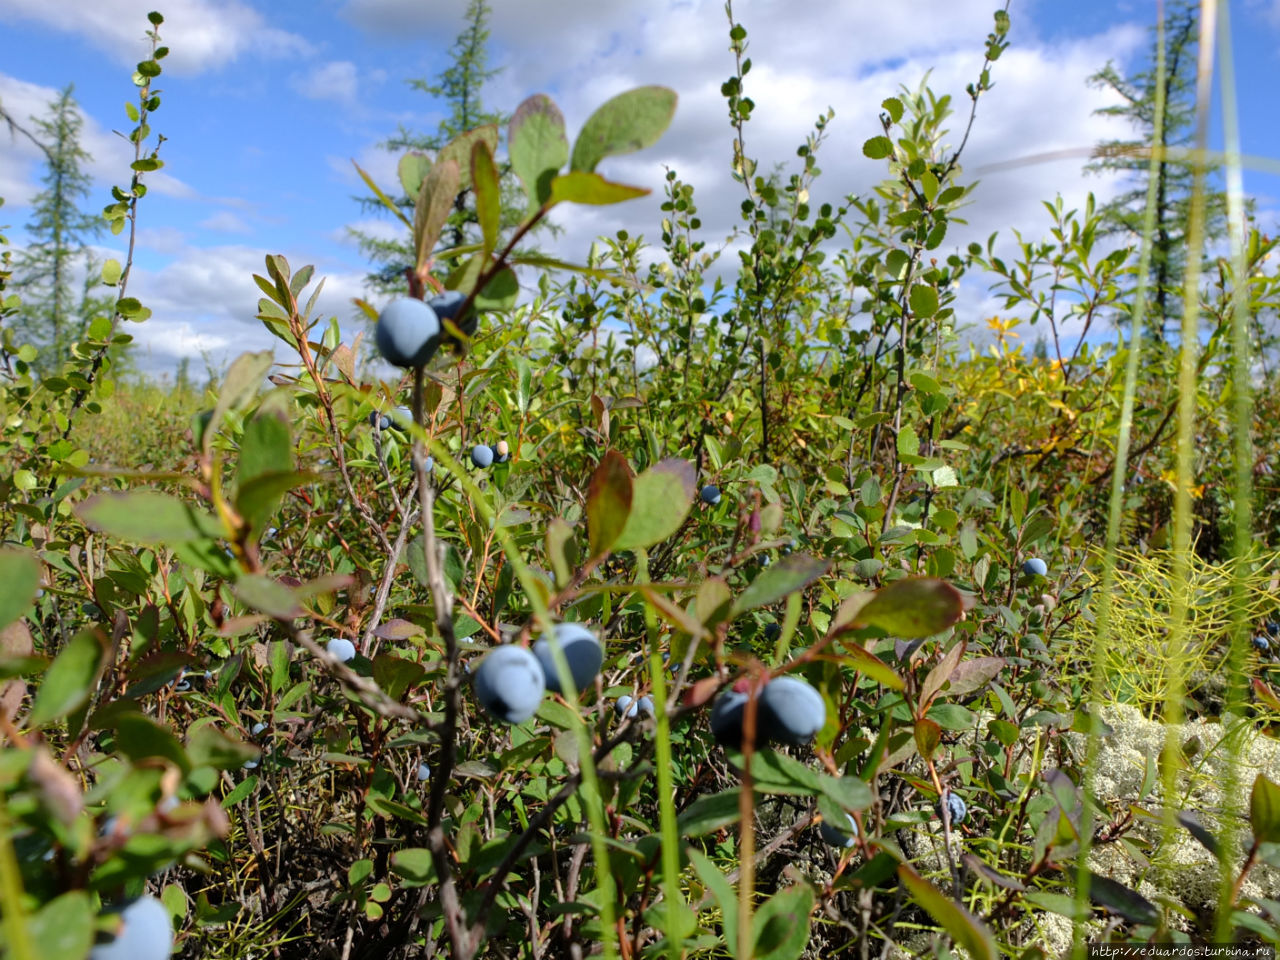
510, 683
408, 333
429, 464
424, 772
256, 729
1273, 628
448, 303
1035, 567
401, 417
772, 631
250, 765
342, 648
379, 420
646, 706
145, 934
501, 452
1261, 644
956, 807
791, 711
710, 494
481, 455
838, 836
626, 706
581, 649
789, 546
727, 714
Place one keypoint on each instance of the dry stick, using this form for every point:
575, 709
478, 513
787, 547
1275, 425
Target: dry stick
464, 942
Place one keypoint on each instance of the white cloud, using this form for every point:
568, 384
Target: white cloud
202, 34
225, 222
337, 80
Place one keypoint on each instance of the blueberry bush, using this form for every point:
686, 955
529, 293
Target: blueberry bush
649, 614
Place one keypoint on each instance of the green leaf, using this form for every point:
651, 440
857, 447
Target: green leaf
628, 122
791, 573
714, 880
395, 675
849, 793
660, 500
591, 188
1264, 809
500, 292
908, 441
265, 447
20, 574
484, 178
780, 928
111, 271
258, 499
913, 607
69, 680
559, 537
775, 772
966, 929
63, 927
270, 596
707, 814
435, 202
524, 384
147, 516
537, 146
140, 738
873, 667
924, 301
243, 380
893, 107
412, 170
459, 149
415, 865
208, 746
877, 148
609, 496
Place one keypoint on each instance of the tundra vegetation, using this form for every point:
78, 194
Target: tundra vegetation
784, 620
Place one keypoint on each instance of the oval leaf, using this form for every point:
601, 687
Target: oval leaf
628, 122
913, 607
786, 576
20, 574
660, 500
609, 497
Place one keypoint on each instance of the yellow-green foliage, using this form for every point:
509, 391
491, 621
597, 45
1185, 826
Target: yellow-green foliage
1138, 663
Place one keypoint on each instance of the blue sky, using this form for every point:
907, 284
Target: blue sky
265, 105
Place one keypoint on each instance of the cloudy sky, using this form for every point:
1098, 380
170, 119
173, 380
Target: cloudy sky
266, 105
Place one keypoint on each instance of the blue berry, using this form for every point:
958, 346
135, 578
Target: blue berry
448, 303
791, 711
646, 706
581, 649
1035, 567
408, 333
956, 807
509, 683
342, 648
1261, 644
424, 772
727, 714
710, 494
146, 933
772, 631
838, 836
626, 706
501, 452
481, 455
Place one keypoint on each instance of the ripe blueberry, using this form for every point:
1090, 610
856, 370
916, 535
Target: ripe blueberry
379, 420
1035, 567
501, 452
448, 303
342, 648
146, 933
956, 807
481, 455
838, 836
424, 771
256, 729
626, 706
408, 333
710, 494
791, 711
726, 718
646, 706
1261, 644
581, 649
510, 683
1273, 628
772, 631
